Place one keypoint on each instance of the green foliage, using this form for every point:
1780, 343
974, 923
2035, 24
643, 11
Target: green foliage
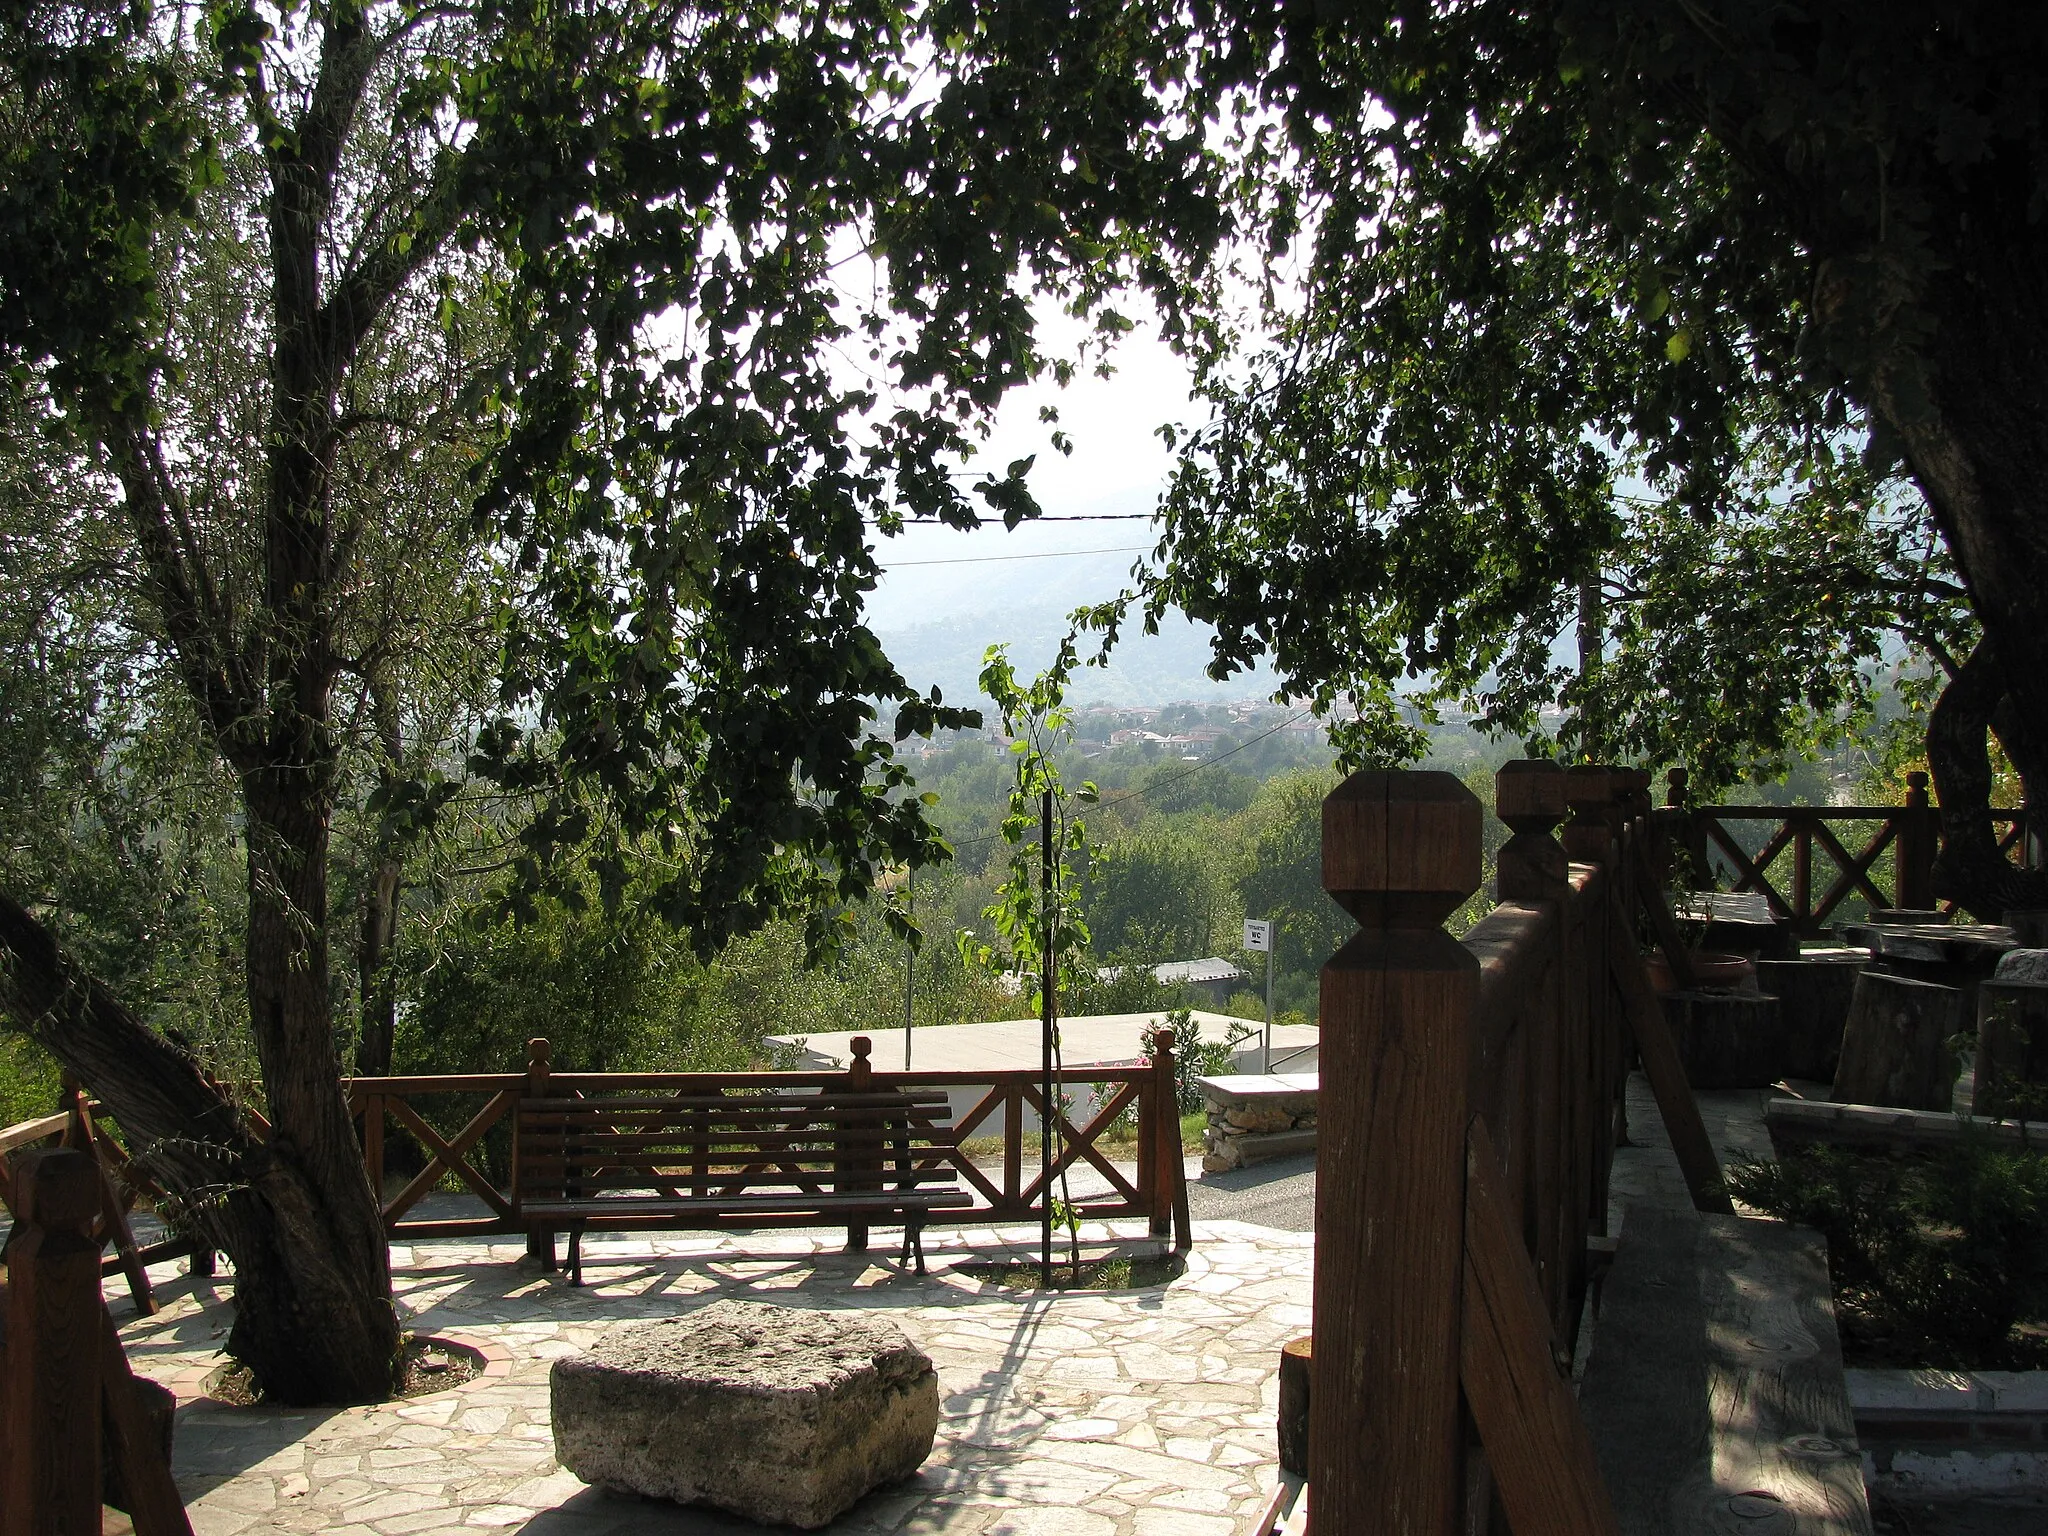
1037, 914
1622, 312
29, 1081
1935, 1259
1156, 891
1194, 1057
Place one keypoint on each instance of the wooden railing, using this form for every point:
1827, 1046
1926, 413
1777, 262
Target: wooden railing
1881, 854
1012, 1187
66, 1394
77, 1125
1473, 1093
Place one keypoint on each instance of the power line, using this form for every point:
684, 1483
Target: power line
1048, 554
1052, 517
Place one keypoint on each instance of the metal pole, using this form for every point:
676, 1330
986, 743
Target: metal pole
909, 971
1045, 1028
1266, 1054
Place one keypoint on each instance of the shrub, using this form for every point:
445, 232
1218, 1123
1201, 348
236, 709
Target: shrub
1938, 1257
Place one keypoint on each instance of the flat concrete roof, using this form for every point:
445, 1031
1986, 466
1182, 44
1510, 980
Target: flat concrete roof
1086, 1040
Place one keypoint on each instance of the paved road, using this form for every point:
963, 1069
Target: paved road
1278, 1194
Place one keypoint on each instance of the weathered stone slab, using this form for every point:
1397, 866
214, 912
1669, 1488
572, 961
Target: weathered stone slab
774, 1413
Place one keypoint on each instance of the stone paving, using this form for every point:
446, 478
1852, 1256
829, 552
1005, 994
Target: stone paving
1134, 1413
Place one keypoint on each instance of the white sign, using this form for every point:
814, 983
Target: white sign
1258, 934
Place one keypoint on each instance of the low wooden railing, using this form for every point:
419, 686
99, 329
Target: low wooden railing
77, 1125
1860, 849
1472, 1097
1011, 1188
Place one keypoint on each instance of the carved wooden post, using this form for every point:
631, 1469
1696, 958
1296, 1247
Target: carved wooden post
1528, 795
1401, 851
52, 1391
1587, 838
1913, 887
858, 1147
1159, 1131
540, 1059
1533, 867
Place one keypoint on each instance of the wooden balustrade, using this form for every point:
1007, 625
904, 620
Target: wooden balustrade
76, 1427
1853, 840
1474, 1098
77, 1125
1010, 1188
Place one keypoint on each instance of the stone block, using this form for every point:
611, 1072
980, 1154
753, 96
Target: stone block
774, 1413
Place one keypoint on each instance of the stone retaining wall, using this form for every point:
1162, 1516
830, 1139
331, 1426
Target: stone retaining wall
1253, 1119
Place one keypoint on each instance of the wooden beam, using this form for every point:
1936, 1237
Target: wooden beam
1681, 1111
1542, 1459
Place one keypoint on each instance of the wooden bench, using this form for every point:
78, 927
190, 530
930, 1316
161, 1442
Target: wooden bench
1714, 1392
747, 1157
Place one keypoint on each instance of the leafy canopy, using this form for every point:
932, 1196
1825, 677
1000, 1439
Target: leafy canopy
761, 271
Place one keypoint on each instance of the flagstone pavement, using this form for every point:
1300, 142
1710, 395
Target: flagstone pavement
1135, 1413
1131, 1413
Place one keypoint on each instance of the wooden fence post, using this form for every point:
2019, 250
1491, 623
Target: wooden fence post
1401, 851
540, 1058
52, 1390
1587, 837
1528, 795
855, 1147
1913, 886
1159, 1130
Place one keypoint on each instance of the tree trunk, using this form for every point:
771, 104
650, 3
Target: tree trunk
1969, 869
306, 1320
378, 984
291, 1016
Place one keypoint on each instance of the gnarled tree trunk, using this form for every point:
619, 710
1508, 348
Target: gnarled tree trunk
311, 1318
1970, 869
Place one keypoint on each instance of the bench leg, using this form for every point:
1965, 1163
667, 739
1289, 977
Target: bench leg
913, 1242
575, 1254
856, 1237
541, 1246
202, 1263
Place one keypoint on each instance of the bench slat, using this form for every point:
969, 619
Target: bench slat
1715, 1382
594, 1212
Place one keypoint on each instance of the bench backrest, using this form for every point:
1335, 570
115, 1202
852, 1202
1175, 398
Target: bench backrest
765, 1144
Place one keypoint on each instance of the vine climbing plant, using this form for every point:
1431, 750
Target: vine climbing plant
1041, 935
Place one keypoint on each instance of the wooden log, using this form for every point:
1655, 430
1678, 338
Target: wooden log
1813, 992
1726, 1039
1294, 1394
2012, 1049
1820, 1122
1401, 852
52, 1392
1895, 1047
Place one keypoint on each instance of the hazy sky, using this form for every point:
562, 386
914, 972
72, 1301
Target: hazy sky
1118, 465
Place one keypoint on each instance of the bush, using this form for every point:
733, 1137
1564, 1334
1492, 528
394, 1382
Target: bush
1936, 1260
1193, 1057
